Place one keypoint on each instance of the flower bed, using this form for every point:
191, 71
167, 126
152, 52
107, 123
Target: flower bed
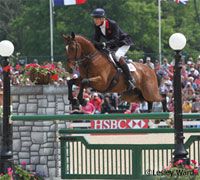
180, 171
39, 74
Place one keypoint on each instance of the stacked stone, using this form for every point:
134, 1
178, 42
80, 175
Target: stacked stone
36, 142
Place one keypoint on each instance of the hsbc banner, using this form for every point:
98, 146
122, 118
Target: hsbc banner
119, 124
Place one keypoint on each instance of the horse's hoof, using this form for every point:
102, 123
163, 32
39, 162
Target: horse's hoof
169, 122
156, 121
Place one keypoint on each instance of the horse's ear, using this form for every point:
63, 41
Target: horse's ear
64, 36
73, 35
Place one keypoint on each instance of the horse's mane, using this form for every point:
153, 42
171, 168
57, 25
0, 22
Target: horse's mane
84, 37
103, 52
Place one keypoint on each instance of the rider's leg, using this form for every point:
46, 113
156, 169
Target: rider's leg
125, 68
119, 57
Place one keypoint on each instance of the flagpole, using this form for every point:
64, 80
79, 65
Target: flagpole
159, 30
51, 28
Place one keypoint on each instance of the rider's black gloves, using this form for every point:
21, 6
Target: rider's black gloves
99, 45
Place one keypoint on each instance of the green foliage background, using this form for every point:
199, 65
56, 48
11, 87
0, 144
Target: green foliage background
27, 24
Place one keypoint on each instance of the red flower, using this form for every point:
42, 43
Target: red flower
18, 67
196, 171
193, 161
6, 68
55, 77
32, 65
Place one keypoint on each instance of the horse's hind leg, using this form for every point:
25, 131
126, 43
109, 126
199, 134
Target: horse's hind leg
150, 104
164, 102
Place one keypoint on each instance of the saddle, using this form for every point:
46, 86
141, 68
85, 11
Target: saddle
110, 56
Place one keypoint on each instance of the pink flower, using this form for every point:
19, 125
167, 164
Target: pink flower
1, 174
193, 161
186, 165
170, 164
167, 168
18, 67
196, 171
9, 169
10, 173
190, 167
23, 163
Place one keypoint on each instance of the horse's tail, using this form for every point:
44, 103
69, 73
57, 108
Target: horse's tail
159, 78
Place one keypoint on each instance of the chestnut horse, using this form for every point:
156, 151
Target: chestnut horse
97, 72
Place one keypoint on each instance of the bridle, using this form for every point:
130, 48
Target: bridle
79, 60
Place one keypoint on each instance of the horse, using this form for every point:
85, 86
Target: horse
97, 72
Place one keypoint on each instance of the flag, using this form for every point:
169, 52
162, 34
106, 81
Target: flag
67, 2
178, 1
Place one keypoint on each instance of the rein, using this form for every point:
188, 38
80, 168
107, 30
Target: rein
79, 60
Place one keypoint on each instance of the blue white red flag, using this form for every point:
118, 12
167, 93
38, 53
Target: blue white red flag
178, 1
67, 2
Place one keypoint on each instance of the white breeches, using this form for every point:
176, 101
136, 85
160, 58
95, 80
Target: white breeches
121, 52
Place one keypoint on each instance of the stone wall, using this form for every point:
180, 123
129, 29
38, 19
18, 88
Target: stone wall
36, 142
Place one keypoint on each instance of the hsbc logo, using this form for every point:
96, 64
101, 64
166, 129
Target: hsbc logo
119, 124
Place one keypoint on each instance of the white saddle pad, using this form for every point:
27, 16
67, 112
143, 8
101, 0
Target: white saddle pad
131, 67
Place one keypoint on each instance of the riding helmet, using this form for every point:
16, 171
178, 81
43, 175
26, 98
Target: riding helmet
98, 13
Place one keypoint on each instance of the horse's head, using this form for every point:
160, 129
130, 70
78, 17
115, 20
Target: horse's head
73, 51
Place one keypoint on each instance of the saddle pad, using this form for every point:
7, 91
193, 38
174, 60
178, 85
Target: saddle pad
131, 67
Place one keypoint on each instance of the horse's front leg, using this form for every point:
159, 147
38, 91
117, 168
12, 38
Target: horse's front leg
89, 83
70, 83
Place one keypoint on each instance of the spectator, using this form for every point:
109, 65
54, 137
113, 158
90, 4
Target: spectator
62, 74
191, 95
143, 106
149, 63
187, 106
96, 101
114, 99
193, 73
89, 108
35, 61
107, 106
157, 66
171, 72
188, 66
191, 80
134, 107
183, 71
75, 107
157, 107
60, 81
165, 65
141, 60
196, 105
197, 80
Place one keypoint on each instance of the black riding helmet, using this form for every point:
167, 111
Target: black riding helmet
98, 13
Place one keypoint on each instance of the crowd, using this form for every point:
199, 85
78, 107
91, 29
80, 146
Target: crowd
97, 103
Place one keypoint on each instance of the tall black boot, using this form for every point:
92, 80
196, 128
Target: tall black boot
125, 68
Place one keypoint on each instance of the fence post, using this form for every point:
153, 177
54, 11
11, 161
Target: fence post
137, 162
63, 158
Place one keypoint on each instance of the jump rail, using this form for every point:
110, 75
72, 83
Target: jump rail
103, 116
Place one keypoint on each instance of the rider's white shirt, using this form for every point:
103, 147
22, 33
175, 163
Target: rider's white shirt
103, 28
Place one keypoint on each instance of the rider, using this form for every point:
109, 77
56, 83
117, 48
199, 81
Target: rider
115, 40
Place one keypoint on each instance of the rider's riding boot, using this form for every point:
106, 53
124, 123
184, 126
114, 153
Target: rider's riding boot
125, 68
